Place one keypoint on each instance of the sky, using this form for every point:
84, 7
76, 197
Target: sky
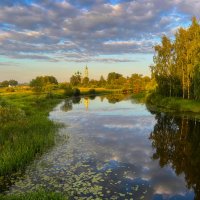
59, 37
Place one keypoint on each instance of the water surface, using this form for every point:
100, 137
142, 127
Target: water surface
114, 148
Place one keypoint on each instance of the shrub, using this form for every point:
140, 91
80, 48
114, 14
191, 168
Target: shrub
76, 92
68, 90
10, 89
92, 91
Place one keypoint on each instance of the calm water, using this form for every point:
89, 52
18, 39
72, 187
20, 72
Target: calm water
114, 148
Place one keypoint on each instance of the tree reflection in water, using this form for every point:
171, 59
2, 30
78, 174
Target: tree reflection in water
177, 143
67, 106
115, 98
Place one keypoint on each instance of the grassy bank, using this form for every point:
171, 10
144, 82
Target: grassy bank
39, 195
172, 104
25, 130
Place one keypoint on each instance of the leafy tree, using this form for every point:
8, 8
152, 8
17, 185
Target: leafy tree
68, 90
5, 83
196, 82
13, 82
75, 80
37, 84
102, 81
112, 76
85, 81
175, 63
41, 83
76, 92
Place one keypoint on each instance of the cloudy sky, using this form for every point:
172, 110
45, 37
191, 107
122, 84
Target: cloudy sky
59, 37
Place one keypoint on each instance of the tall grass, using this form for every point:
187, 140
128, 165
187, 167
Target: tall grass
38, 195
25, 130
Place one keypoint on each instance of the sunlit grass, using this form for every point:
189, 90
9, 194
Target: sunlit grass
25, 130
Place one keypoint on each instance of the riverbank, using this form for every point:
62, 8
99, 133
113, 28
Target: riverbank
25, 129
172, 104
38, 195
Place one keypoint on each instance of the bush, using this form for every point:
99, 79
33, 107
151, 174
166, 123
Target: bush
92, 91
68, 90
76, 92
10, 89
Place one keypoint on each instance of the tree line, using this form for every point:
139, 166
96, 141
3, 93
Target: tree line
6, 83
176, 66
135, 83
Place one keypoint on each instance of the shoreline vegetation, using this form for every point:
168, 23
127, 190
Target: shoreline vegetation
173, 104
176, 72
27, 132
25, 129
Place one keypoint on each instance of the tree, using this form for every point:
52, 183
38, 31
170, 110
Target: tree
75, 80
112, 76
13, 82
85, 81
164, 63
196, 82
41, 83
102, 81
176, 61
5, 84
37, 84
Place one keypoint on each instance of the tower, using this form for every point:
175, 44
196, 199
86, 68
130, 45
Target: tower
86, 73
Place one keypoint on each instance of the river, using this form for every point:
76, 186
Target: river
114, 148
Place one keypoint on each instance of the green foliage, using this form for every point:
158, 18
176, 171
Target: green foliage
112, 76
75, 80
7, 83
85, 81
25, 130
172, 104
176, 68
92, 91
41, 83
196, 82
13, 82
68, 90
102, 82
37, 84
76, 92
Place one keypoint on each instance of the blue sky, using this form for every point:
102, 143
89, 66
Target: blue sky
59, 37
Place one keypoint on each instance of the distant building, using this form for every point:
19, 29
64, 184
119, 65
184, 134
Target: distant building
86, 72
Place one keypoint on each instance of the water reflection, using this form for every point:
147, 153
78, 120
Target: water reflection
67, 105
176, 141
116, 98
76, 100
86, 102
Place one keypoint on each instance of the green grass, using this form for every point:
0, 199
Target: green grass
25, 130
173, 104
38, 195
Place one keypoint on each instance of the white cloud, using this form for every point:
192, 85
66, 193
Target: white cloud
90, 28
